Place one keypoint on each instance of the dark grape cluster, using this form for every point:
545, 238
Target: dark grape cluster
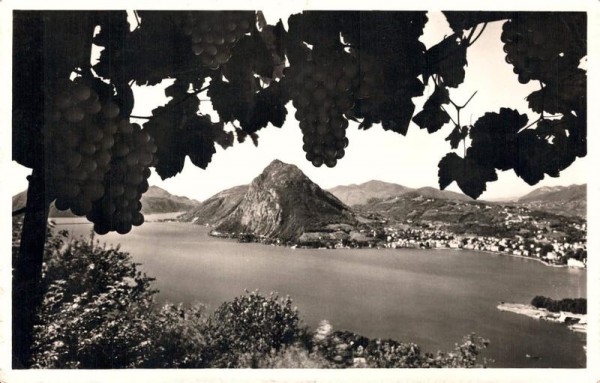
79, 134
537, 49
126, 181
214, 34
321, 92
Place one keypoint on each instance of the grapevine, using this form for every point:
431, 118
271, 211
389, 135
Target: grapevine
322, 91
537, 50
79, 136
126, 181
214, 34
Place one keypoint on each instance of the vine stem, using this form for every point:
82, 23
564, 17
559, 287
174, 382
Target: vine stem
533, 123
478, 36
451, 119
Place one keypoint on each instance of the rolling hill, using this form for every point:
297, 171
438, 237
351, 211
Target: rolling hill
361, 194
565, 200
154, 201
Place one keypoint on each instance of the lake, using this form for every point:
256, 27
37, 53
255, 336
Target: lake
430, 297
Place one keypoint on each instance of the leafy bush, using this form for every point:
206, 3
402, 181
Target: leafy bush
177, 337
250, 325
95, 307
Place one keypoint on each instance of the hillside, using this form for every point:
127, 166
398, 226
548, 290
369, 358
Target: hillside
355, 195
280, 203
217, 207
154, 201
565, 200
414, 207
430, 192
360, 194
157, 200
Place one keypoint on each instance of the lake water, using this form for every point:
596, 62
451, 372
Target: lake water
430, 297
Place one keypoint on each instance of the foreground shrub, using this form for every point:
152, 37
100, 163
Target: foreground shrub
95, 308
177, 338
250, 327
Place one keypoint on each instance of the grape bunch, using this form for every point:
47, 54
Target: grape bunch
79, 134
537, 49
214, 34
132, 155
321, 90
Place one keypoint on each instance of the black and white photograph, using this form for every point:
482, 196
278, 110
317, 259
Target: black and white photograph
319, 194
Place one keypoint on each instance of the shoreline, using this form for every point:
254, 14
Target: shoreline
273, 242
297, 246
575, 322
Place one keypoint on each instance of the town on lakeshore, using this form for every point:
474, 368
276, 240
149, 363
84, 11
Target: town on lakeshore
541, 239
548, 250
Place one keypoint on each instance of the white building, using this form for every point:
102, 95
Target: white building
572, 262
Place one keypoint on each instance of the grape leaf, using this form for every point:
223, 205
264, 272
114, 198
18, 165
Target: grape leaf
565, 93
533, 158
458, 134
433, 116
200, 142
470, 175
252, 106
179, 132
447, 59
494, 138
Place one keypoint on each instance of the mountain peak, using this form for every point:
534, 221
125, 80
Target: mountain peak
155, 191
281, 202
278, 171
278, 165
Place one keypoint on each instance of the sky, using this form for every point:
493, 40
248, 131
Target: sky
409, 160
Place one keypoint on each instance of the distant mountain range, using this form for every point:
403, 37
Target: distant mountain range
154, 201
556, 194
361, 194
281, 203
564, 200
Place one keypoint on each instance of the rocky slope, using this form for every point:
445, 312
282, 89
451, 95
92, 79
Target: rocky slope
217, 207
280, 203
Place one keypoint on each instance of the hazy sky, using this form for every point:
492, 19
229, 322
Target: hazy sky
409, 160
